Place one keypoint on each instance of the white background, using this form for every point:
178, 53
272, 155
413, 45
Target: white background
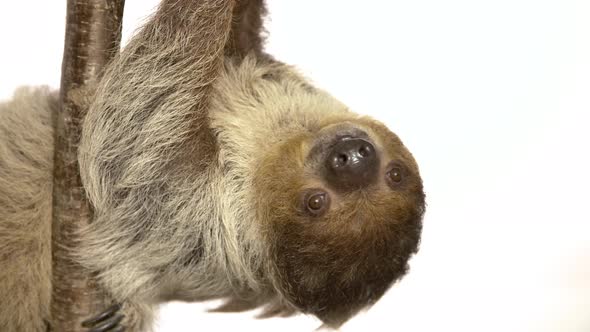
492, 97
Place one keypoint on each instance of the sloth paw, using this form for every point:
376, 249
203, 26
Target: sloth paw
106, 321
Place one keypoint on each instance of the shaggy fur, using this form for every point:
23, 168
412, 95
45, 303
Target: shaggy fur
26, 162
195, 153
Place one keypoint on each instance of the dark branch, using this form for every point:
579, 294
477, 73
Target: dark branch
93, 33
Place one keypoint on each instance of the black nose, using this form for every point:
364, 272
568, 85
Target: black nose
352, 164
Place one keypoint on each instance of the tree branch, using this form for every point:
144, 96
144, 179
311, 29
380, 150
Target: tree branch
93, 34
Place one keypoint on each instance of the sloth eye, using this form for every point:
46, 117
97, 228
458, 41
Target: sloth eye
395, 174
317, 202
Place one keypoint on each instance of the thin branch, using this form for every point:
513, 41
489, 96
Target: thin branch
93, 33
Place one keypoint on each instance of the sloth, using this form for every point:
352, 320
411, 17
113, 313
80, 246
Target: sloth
215, 172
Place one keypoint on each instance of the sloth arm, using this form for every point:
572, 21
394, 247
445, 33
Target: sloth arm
211, 29
179, 52
247, 27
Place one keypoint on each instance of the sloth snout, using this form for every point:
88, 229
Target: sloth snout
352, 163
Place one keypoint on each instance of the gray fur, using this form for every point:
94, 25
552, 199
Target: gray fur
26, 165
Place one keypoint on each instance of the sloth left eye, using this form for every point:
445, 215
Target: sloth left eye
317, 202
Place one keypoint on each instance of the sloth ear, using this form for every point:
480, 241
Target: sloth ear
247, 29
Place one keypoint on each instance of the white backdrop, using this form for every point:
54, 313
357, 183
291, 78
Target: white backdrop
492, 97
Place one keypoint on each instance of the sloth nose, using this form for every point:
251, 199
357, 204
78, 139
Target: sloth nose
352, 164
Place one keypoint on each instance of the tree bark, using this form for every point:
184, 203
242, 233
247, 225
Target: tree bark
93, 34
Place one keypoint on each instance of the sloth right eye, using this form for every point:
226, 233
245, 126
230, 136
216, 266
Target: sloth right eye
317, 202
395, 174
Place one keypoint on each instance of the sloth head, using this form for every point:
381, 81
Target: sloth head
342, 212
337, 196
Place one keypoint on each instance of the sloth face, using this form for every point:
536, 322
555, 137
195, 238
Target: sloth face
342, 211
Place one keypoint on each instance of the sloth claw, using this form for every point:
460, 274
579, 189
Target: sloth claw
110, 312
108, 325
107, 320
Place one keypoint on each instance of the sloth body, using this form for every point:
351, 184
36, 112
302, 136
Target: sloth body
214, 171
